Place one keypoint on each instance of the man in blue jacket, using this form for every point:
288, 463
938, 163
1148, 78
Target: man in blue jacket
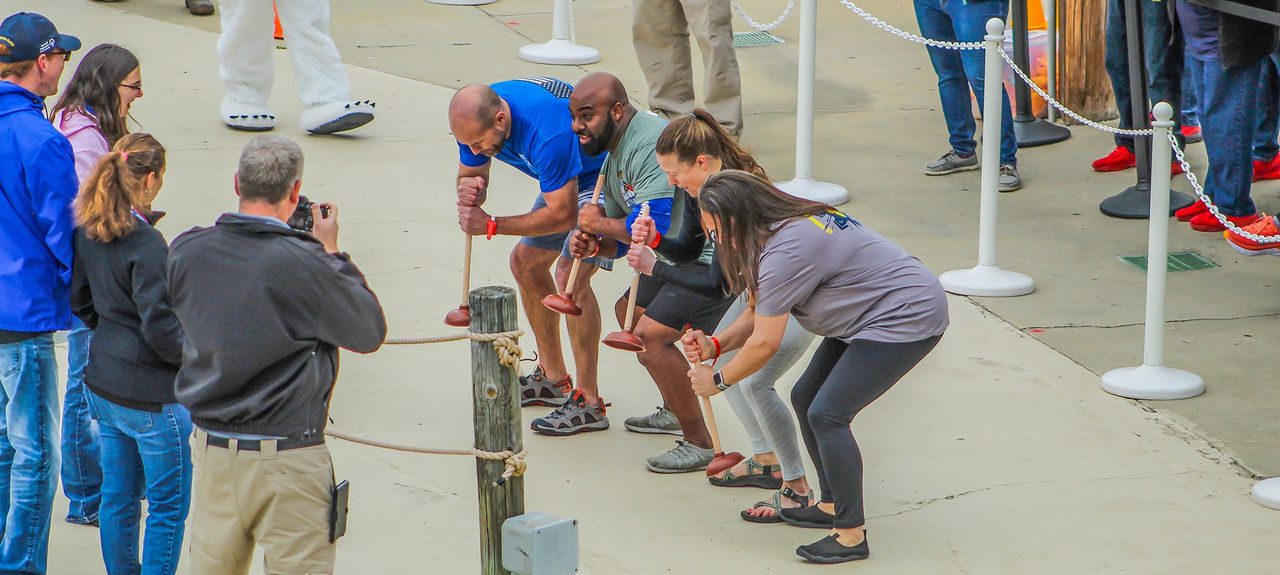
37, 184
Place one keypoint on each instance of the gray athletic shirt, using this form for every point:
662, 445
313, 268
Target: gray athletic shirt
841, 279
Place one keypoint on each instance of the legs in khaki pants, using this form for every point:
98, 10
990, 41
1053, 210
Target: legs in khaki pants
660, 30
277, 499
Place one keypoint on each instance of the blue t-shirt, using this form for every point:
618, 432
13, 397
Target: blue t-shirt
541, 142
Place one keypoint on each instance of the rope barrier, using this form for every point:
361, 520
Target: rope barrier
763, 27
514, 462
509, 356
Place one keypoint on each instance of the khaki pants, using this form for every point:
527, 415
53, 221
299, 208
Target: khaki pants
660, 30
278, 499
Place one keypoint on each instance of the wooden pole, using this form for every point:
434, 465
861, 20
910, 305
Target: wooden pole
1083, 84
497, 421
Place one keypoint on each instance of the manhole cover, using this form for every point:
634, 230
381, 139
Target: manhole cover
1177, 262
751, 39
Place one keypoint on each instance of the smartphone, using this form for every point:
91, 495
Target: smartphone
338, 511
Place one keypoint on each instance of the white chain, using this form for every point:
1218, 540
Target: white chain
1195, 185
1066, 110
763, 27
907, 35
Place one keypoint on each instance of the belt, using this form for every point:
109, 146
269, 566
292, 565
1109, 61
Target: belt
256, 444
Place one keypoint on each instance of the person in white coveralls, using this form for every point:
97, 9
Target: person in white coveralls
244, 51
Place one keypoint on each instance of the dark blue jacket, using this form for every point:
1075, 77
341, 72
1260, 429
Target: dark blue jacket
37, 184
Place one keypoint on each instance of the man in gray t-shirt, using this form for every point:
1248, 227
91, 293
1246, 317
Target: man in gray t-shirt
840, 279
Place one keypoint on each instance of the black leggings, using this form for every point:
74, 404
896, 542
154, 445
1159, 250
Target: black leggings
840, 381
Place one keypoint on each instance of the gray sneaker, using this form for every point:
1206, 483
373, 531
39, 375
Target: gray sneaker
575, 416
660, 421
1009, 180
536, 389
950, 163
685, 457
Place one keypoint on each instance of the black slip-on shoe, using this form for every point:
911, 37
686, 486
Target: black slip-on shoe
829, 550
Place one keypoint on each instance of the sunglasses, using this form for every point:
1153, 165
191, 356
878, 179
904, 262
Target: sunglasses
66, 56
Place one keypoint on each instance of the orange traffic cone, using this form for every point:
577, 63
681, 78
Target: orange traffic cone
279, 31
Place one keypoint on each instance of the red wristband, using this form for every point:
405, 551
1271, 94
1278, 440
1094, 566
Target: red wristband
491, 229
717, 342
595, 251
657, 239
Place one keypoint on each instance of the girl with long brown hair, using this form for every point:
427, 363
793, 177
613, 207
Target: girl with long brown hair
118, 289
690, 149
877, 308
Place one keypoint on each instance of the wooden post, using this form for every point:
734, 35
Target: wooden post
1083, 84
497, 421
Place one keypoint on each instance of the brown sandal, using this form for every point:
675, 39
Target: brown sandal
775, 503
761, 476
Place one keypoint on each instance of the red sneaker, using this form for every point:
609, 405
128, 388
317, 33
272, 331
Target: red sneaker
1207, 222
1265, 226
1175, 168
1268, 170
1120, 158
1192, 134
1191, 211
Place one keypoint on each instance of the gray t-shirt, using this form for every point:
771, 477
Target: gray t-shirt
841, 279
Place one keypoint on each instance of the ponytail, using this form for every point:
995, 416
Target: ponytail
699, 134
116, 186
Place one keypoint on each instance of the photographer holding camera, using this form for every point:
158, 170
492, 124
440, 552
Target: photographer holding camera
265, 309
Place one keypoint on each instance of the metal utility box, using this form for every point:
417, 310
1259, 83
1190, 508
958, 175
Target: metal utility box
540, 544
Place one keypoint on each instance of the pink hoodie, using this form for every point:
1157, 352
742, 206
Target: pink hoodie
86, 138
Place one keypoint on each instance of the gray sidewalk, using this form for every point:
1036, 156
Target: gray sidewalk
998, 455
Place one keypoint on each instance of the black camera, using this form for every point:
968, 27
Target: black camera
302, 220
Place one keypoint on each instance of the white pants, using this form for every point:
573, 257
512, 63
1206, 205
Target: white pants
246, 45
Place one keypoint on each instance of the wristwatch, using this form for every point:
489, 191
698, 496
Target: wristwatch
719, 381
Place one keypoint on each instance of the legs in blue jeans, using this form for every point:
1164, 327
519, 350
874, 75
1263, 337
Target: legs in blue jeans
958, 71
1230, 111
842, 379
1264, 143
144, 453
28, 452
81, 473
1190, 93
1164, 60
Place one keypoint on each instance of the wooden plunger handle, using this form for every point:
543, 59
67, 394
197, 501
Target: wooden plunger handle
466, 272
635, 282
711, 424
573, 271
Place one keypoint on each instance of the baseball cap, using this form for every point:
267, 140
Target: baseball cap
26, 35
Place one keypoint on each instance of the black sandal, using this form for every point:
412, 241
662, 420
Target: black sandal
775, 503
761, 476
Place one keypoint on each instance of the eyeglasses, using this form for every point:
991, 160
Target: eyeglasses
135, 87
66, 56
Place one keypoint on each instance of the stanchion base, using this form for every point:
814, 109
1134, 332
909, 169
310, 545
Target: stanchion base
989, 281
1135, 203
1267, 493
462, 2
811, 189
1152, 382
560, 53
1033, 132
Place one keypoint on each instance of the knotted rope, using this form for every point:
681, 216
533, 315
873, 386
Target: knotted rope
504, 343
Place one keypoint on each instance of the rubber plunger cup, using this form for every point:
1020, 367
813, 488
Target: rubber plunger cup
563, 303
721, 461
460, 317
624, 340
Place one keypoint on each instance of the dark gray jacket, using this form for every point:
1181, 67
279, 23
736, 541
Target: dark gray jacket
265, 309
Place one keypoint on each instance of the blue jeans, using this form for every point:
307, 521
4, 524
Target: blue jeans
1264, 139
28, 452
1230, 111
958, 71
81, 472
1164, 54
144, 453
1190, 92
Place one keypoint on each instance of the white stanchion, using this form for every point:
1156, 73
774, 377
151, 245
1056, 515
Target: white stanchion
987, 278
804, 185
462, 2
1267, 493
560, 50
1051, 63
1152, 380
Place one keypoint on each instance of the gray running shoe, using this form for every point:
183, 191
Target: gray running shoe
660, 421
685, 457
536, 389
575, 416
1009, 180
950, 163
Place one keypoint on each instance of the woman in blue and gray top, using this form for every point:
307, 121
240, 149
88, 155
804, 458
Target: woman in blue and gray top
690, 150
877, 308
